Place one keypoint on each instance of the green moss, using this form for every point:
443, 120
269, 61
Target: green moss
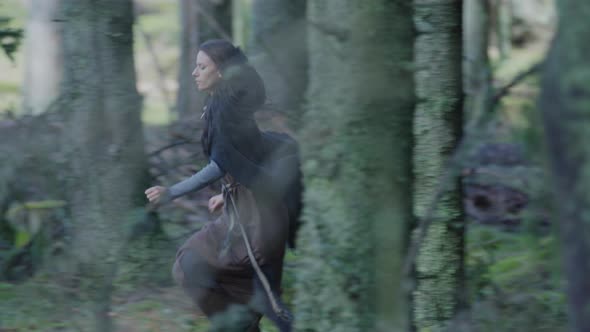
349, 270
511, 273
437, 128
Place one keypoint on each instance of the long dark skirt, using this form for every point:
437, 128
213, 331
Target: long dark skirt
213, 264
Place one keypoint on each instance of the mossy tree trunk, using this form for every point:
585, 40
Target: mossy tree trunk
437, 129
565, 104
279, 51
103, 144
357, 143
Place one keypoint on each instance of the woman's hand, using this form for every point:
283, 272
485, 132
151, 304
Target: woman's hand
156, 194
215, 203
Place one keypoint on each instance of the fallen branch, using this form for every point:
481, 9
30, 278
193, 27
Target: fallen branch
169, 146
517, 79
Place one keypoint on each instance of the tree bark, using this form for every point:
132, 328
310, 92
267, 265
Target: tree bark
437, 130
200, 20
503, 28
279, 52
216, 19
477, 71
241, 23
565, 102
103, 144
188, 98
357, 142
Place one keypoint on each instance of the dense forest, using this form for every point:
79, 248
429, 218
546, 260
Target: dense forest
442, 153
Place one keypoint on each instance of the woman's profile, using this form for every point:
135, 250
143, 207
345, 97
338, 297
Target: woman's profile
238, 258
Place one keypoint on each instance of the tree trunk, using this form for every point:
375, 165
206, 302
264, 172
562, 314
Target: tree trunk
241, 23
188, 97
565, 103
504, 28
216, 19
200, 20
103, 144
356, 142
279, 52
437, 129
42, 56
477, 71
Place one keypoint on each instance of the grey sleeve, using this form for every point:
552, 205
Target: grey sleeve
198, 181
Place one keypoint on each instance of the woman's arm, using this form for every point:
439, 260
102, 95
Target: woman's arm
198, 181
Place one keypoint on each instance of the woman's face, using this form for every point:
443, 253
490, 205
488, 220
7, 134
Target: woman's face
206, 74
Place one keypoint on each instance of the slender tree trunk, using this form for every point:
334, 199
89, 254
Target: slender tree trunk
279, 51
215, 18
42, 56
504, 28
437, 129
188, 97
201, 20
357, 142
477, 71
103, 145
565, 104
241, 23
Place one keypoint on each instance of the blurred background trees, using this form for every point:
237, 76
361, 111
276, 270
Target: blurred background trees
428, 205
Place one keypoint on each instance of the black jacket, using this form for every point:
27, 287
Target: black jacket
267, 163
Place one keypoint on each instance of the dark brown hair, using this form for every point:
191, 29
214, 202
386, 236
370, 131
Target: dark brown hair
236, 96
223, 53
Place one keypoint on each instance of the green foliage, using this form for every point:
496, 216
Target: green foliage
146, 261
34, 306
515, 277
242, 15
33, 226
6, 87
39, 306
12, 19
10, 38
